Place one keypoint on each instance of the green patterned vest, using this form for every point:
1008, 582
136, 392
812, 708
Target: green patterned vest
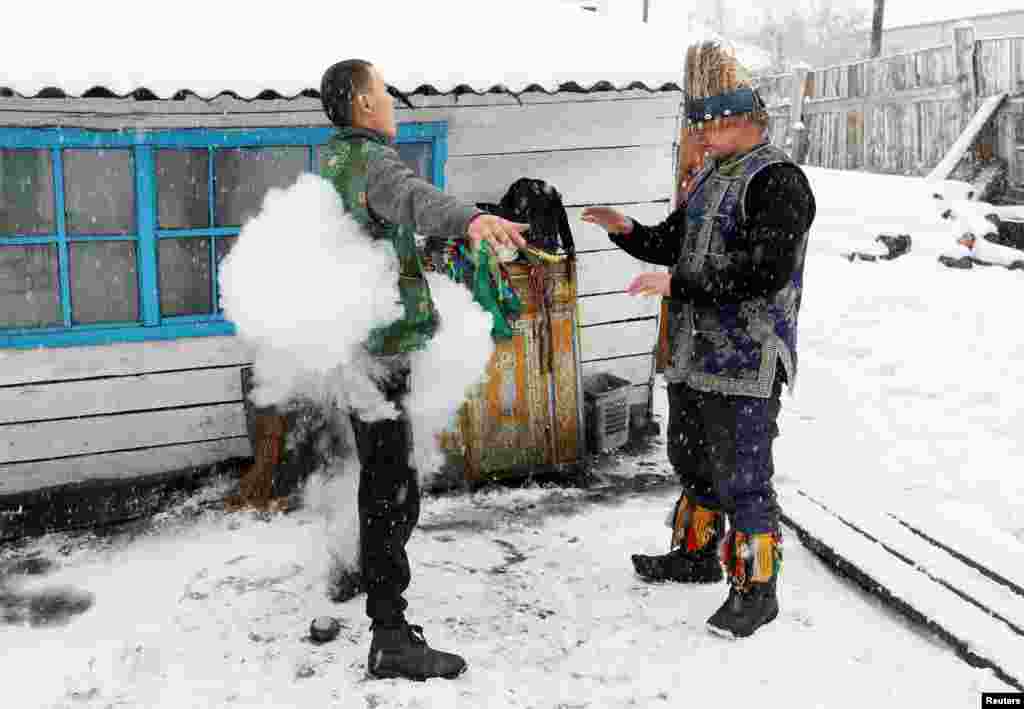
348, 155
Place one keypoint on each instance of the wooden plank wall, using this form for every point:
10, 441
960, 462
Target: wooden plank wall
71, 415
1012, 138
895, 114
1001, 65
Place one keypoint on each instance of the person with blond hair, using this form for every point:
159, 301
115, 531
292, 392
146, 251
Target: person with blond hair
736, 250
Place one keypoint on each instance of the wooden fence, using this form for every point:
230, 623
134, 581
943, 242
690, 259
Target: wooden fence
901, 113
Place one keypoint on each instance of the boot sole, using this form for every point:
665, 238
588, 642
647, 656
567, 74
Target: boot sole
706, 578
729, 635
707, 574
692, 582
397, 675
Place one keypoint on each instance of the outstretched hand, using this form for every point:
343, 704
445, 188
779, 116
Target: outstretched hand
611, 220
659, 283
499, 233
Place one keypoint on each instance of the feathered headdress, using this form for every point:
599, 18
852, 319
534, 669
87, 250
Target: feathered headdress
717, 85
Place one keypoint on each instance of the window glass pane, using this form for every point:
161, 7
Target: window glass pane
99, 191
183, 188
245, 174
29, 286
104, 282
185, 277
224, 246
26, 192
418, 156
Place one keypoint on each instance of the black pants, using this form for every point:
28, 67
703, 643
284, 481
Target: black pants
721, 448
389, 507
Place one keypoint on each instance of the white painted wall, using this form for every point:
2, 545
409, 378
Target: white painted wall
69, 415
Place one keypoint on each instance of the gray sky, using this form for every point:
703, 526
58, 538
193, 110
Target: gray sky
897, 12
737, 11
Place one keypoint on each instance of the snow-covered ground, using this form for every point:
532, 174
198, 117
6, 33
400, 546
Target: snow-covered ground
533, 586
910, 398
911, 391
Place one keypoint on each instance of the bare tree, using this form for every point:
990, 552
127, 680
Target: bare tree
876, 29
770, 37
822, 34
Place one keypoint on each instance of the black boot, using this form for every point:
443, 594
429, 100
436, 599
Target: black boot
402, 652
753, 562
696, 532
745, 610
701, 566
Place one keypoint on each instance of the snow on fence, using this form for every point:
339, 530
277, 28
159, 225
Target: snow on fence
902, 113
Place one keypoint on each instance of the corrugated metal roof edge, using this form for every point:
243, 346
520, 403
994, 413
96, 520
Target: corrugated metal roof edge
145, 94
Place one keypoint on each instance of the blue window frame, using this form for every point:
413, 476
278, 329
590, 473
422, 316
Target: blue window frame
87, 219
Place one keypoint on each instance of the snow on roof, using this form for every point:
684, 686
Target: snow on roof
909, 14
208, 48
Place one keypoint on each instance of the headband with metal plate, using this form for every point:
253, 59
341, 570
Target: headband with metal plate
742, 100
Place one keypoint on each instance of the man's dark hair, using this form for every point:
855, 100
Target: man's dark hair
340, 84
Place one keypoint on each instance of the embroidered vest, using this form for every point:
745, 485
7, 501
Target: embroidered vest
732, 349
348, 155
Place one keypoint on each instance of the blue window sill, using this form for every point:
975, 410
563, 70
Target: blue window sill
111, 335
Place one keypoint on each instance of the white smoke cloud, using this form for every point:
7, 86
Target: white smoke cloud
447, 371
305, 286
333, 495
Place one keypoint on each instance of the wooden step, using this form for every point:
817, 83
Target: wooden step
999, 555
974, 582
979, 637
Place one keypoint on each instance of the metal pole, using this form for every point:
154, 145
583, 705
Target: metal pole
647, 7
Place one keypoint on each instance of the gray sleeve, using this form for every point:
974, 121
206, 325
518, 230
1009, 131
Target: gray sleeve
395, 193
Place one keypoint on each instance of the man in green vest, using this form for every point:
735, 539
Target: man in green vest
384, 195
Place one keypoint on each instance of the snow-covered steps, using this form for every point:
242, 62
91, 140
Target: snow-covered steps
971, 538
981, 618
975, 579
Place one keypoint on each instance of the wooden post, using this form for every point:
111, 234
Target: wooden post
1006, 144
867, 112
267, 429
1014, 116
876, 28
966, 79
798, 129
